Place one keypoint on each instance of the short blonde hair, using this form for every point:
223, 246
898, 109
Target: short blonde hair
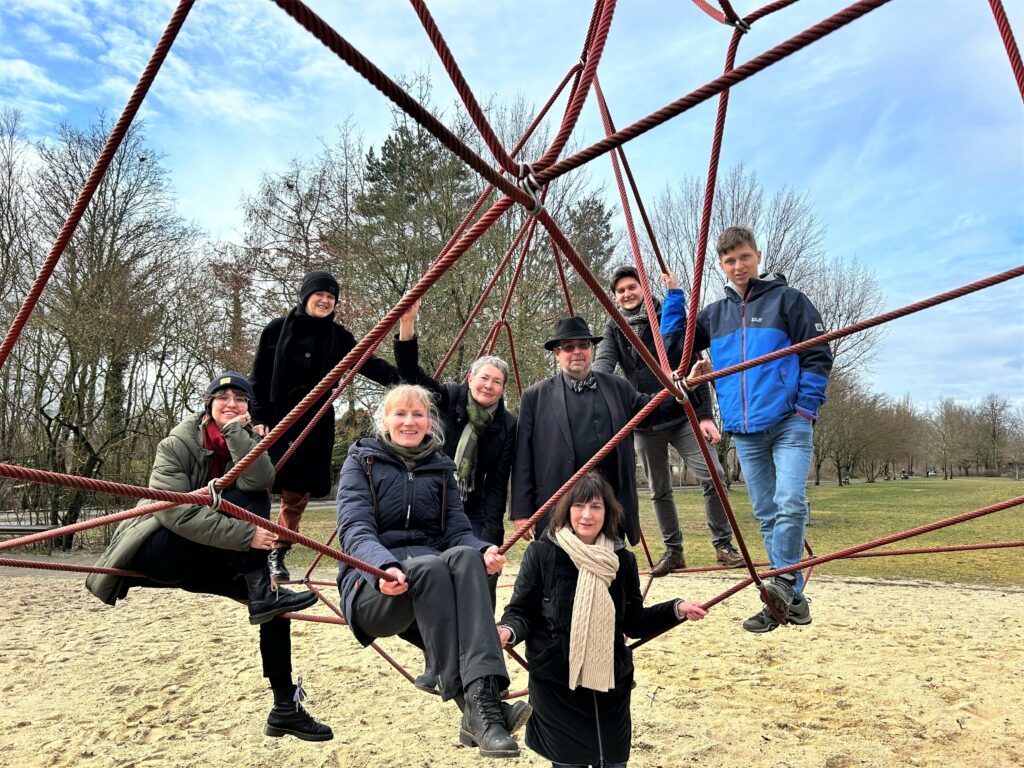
409, 393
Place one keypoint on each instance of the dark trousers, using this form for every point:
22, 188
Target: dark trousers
449, 604
170, 560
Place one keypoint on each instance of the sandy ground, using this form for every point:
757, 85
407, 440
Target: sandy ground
887, 675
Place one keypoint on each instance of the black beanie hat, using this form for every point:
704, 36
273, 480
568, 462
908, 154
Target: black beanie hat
317, 280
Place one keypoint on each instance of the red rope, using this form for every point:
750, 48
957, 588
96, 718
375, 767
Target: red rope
462, 87
716, 86
711, 11
863, 325
66, 567
634, 242
326, 34
561, 279
1008, 40
96, 175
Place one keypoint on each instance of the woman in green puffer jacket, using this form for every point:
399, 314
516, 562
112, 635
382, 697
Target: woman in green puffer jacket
200, 549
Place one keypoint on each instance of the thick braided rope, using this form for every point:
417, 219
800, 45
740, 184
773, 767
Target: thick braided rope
851, 551
1009, 42
99, 168
716, 86
42, 565
476, 114
326, 34
885, 317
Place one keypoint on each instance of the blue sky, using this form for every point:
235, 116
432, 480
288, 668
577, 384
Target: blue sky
906, 127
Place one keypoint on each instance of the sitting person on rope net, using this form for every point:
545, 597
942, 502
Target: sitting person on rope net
770, 410
576, 598
399, 510
295, 353
200, 549
479, 436
653, 437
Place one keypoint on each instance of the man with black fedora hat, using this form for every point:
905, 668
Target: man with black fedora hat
565, 419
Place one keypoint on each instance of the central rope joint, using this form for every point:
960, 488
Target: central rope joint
679, 380
741, 25
527, 182
215, 498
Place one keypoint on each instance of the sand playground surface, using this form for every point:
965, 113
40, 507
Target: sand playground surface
888, 674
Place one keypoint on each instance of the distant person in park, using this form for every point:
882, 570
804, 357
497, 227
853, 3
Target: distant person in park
200, 549
399, 510
479, 436
667, 427
294, 354
576, 599
770, 410
565, 420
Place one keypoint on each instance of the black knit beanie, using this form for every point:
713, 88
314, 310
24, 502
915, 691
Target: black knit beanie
317, 280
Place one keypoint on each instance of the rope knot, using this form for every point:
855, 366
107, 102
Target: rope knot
527, 182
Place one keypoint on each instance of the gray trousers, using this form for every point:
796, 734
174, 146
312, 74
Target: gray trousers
652, 445
449, 601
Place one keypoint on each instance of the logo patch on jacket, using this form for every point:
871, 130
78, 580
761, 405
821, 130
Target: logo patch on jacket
819, 327
757, 319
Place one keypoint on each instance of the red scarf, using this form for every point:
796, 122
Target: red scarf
214, 441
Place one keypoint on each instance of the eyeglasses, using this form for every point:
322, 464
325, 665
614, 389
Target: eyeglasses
572, 346
224, 398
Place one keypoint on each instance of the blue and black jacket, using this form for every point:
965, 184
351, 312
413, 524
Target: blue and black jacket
770, 317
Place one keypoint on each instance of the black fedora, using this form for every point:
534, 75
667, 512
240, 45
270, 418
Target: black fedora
570, 328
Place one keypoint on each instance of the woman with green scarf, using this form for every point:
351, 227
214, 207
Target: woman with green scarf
399, 509
479, 433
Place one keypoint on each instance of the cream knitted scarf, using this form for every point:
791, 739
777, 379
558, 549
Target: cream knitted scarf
592, 632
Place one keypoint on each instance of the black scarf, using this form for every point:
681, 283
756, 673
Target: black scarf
304, 354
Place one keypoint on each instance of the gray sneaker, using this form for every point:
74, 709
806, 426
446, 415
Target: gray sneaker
781, 593
799, 613
761, 622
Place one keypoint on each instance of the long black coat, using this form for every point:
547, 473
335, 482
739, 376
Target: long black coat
387, 514
544, 450
565, 728
496, 448
309, 468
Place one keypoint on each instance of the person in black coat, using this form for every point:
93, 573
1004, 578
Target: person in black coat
479, 432
566, 419
399, 510
294, 354
576, 598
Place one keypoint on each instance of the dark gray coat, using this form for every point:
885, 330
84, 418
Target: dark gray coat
544, 448
387, 514
615, 349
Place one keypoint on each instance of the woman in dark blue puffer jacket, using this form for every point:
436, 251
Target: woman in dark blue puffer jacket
399, 510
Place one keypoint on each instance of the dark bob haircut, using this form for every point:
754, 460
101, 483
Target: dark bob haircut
590, 486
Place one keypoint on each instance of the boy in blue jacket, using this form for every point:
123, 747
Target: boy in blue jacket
770, 410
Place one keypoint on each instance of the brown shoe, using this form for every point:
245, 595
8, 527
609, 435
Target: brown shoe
727, 555
668, 563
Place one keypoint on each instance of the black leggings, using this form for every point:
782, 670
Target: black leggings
170, 560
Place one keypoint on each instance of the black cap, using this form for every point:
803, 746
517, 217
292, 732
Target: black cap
570, 328
318, 280
232, 379
626, 270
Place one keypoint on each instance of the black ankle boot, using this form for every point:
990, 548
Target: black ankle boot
483, 722
266, 603
275, 561
515, 715
427, 680
288, 718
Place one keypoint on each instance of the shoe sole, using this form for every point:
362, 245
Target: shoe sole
521, 719
270, 730
466, 739
761, 630
427, 689
779, 598
263, 618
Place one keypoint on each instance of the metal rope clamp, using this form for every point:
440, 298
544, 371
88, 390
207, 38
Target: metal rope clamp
215, 497
527, 182
741, 25
680, 381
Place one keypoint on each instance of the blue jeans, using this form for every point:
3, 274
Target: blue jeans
775, 463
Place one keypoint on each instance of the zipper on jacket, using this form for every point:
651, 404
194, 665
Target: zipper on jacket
743, 359
408, 498
597, 722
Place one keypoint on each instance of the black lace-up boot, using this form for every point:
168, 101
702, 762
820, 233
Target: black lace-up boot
265, 602
483, 722
289, 718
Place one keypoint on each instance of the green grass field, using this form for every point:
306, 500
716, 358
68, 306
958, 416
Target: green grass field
842, 517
